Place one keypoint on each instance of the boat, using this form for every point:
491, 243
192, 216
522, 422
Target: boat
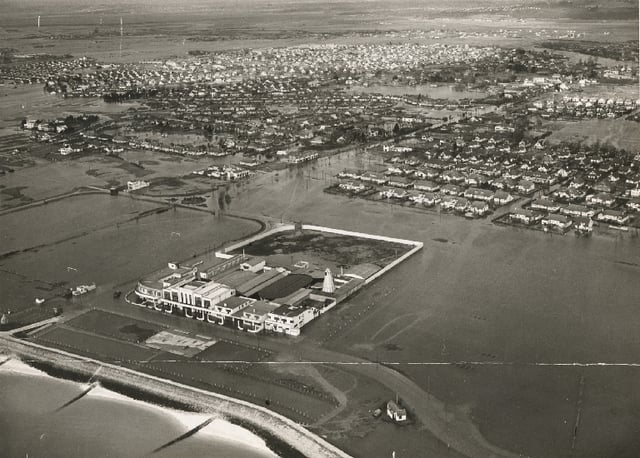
39, 300
83, 289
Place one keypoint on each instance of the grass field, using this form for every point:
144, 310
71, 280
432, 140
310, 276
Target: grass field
94, 346
115, 326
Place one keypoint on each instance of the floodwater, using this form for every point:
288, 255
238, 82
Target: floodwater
102, 242
437, 92
30, 101
513, 298
104, 423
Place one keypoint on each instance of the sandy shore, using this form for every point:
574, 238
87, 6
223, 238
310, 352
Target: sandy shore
280, 434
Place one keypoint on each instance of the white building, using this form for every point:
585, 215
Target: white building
135, 185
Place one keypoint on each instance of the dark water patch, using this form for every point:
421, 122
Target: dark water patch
142, 334
441, 240
627, 263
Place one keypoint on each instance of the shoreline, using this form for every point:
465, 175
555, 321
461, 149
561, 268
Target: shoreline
278, 432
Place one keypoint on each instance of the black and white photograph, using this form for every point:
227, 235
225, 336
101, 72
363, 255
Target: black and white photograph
319, 229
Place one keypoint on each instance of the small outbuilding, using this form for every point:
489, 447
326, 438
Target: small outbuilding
395, 412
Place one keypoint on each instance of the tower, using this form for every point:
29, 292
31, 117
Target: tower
121, 27
38, 21
327, 285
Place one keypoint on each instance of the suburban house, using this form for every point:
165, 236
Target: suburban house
558, 222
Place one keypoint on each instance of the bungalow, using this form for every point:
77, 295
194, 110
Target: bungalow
479, 208
429, 186
520, 215
478, 194
634, 204
449, 202
452, 176
430, 199
393, 194
400, 182
614, 217
577, 210
569, 194
583, 224
502, 198
545, 205
603, 198
462, 205
351, 186
352, 174
371, 177
451, 190
559, 222
525, 187
475, 179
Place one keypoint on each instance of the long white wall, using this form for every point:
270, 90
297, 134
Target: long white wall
361, 235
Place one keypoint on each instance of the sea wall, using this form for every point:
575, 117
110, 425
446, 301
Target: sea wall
362, 235
236, 410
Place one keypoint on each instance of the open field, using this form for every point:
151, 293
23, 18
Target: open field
115, 326
94, 346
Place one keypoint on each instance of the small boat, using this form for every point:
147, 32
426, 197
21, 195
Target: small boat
39, 300
117, 294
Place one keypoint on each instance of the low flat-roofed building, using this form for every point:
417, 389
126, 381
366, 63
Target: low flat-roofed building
253, 317
289, 319
252, 264
224, 310
215, 265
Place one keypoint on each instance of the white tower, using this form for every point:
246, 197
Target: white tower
327, 285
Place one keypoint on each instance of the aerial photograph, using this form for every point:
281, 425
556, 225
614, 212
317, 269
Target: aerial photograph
319, 228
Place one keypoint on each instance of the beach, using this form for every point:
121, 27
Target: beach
237, 423
31, 424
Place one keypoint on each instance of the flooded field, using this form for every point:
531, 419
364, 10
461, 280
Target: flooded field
30, 101
540, 301
114, 249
